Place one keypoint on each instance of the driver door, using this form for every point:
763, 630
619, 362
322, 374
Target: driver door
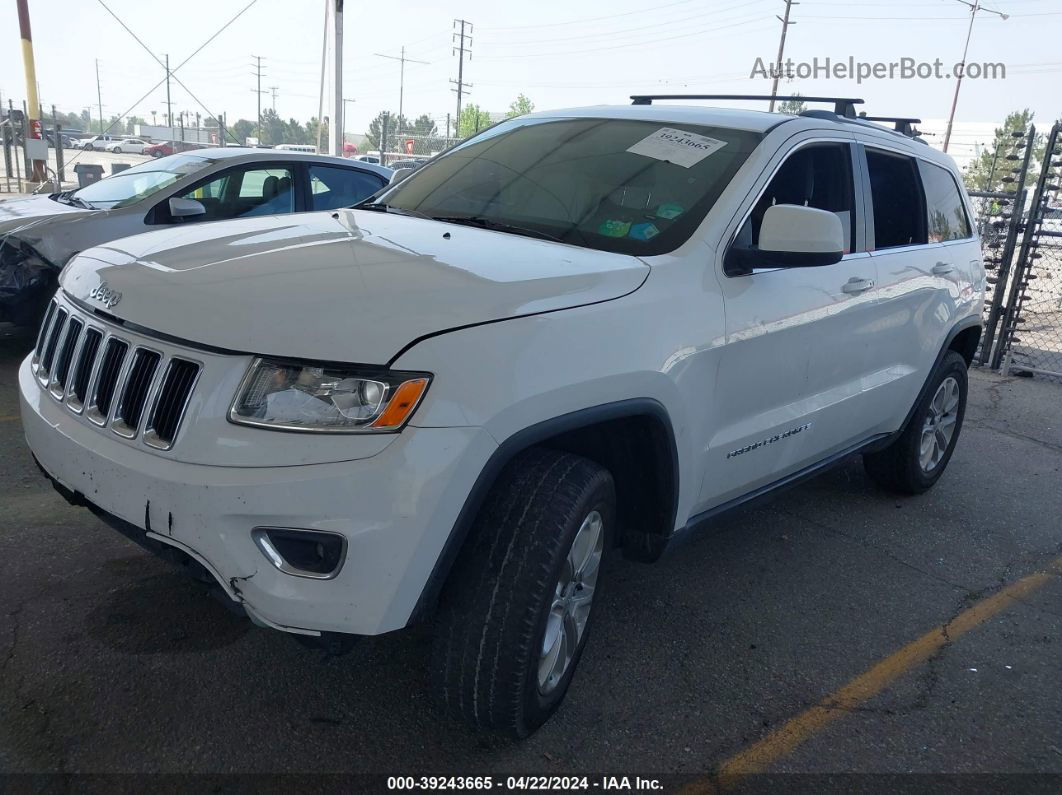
791, 378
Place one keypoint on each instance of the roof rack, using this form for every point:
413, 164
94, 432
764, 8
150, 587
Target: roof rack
902, 124
842, 106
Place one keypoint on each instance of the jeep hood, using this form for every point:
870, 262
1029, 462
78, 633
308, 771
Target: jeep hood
351, 286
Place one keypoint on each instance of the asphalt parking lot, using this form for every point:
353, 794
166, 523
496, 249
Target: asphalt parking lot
775, 629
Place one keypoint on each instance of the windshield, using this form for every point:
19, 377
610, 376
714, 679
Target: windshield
137, 183
627, 186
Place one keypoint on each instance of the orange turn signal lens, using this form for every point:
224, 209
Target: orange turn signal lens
401, 405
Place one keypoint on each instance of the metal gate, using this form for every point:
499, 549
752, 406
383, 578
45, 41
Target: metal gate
1031, 335
1021, 240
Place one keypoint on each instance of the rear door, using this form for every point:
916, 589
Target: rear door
923, 244
790, 384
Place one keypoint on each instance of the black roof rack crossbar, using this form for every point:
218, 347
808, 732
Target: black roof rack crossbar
842, 106
902, 124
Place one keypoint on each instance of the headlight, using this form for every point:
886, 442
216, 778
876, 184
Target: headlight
337, 399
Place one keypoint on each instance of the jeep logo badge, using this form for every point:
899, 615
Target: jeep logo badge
105, 295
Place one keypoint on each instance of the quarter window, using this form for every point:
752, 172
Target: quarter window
818, 176
899, 204
945, 213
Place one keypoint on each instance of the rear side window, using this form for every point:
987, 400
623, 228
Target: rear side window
945, 213
899, 205
334, 187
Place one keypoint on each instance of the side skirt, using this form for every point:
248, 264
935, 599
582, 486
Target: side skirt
771, 489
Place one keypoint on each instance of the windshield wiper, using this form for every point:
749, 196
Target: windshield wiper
383, 207
496, 226
68, 197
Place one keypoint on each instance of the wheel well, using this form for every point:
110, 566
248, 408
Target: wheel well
639, 452
965, 343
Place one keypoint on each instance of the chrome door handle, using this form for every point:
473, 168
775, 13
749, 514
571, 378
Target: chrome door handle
943, 267
856, 285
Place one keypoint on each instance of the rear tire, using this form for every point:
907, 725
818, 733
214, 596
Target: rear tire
514, 616
916, 459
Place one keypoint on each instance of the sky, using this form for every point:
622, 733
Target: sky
560, 54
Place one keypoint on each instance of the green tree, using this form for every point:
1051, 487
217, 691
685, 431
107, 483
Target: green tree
990, 167
472, 121
520, 106
383, 130
793, 106
242, 130
425, 125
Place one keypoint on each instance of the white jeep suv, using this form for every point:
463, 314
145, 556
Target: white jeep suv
578, 332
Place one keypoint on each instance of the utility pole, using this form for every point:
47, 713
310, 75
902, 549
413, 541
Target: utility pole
99, 96
258, 91
461, 50
169, 107
273, 90
335, 129
781, 49
974, 8
33, 121
401, 81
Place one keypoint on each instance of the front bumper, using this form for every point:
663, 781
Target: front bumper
395, 509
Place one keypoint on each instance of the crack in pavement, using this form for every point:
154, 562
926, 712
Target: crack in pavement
883, 550
1057, 448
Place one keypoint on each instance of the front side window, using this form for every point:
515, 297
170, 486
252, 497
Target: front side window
817, 175
333, 187
945, 213
244, 193
899, 207
620, 185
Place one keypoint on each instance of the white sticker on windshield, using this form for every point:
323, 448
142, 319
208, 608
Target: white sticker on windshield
677, 146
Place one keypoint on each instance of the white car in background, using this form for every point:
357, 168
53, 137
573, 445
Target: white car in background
99, 142
133, 146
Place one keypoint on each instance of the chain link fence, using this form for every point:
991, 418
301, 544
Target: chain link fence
1032, 325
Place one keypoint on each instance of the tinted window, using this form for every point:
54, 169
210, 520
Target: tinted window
333, 187
621, 185
899, 207
946, 215
240, 193
818, 176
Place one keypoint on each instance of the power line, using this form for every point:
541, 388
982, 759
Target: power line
401, 80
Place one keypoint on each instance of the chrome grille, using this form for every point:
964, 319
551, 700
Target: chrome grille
131, 405
86, 357
118, 382
107, 380
54, 333
170, 403
66, 354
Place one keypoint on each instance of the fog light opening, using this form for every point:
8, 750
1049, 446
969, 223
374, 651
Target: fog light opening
317, 554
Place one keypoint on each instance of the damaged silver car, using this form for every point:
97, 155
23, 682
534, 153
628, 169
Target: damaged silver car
39, 235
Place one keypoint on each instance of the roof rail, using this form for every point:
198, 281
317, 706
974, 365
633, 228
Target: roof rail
842, 106
902, 124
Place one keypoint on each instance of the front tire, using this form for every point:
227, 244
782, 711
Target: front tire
514, 615
918, 457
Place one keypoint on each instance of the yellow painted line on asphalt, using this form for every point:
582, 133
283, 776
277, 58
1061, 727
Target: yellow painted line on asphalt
786, 738
9, 419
